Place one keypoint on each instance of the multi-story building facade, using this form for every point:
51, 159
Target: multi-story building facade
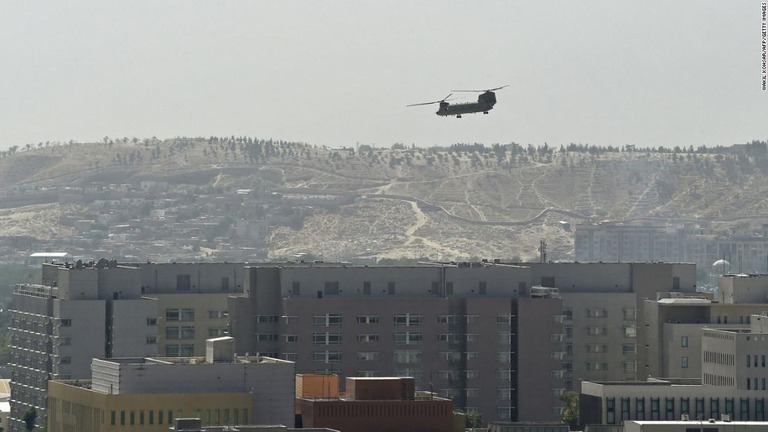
618, 242
57, 329
104, 310
479, 333
731, 386
485, 335
675, 323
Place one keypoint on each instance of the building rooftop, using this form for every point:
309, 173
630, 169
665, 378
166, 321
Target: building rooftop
191, 360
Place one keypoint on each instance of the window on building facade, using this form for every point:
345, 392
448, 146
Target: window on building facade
183, 314
684, 362
331, 288
326, 338
447, 319
391, 288
407, 319
407, 356
597, 348
610, 410
683, 341
367, 319
597, 313
744, 409
367, 338
368, 356
408, 338
183, 332
183, 283
327, 320
451, 356
326, 356
597, 330
714, 408
503, 357
625, 415
640, 408
630, 331
220, 314
267, 337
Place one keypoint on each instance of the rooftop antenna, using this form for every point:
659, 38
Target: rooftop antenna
543, 251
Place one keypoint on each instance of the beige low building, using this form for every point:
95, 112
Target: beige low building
694, 426
148, 394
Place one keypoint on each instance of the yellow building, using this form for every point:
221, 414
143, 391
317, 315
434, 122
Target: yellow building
147, 394
74, 406
187, 320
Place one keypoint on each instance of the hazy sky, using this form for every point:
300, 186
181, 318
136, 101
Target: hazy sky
337, 73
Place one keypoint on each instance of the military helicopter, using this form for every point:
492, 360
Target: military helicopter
485, 102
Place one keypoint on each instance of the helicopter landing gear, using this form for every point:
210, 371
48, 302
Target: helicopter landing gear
485, 112
458, 116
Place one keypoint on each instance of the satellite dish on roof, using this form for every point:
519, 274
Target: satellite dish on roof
721, 266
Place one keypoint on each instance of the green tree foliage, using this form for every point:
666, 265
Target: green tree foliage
30, 418
571, 411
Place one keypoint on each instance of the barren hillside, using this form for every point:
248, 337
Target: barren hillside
448, 203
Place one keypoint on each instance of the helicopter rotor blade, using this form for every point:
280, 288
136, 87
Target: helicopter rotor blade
433, 102
481, 91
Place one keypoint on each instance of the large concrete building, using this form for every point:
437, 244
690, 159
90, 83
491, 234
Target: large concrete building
129, 394
732, 384
490, 336
619, 242
102, 310
675, 322
493, 337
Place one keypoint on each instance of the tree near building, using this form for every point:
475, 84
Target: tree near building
571, 411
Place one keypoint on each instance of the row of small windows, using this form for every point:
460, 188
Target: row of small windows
752, 383
333, 288
400, 338
695, 410
215, 416
628, 331
719, 380
404, 319
131, 418
178, 314
754, 361
628, 314
400, 356
402, 411
720, 358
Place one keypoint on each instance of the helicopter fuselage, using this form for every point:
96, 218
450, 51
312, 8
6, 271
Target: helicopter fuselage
485, 103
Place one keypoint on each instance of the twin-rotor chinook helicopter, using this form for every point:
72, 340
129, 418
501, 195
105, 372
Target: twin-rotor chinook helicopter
485, 102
